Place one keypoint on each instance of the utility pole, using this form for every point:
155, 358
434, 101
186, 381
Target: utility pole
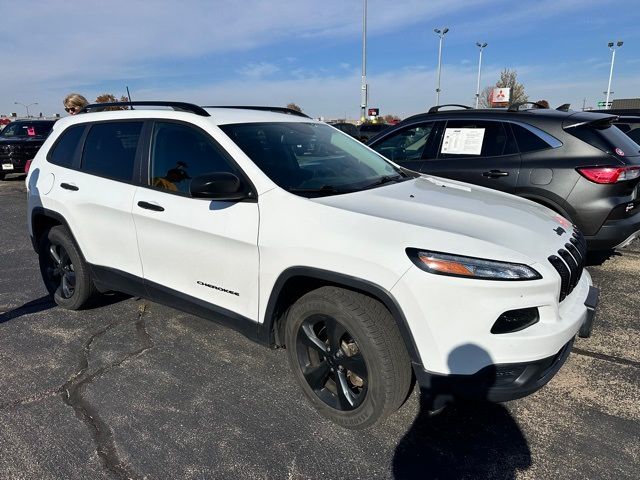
364, 88
441, 33
482, 46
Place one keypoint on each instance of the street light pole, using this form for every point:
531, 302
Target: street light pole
482, 46
613, 49
26, 106
363, 86
441, 34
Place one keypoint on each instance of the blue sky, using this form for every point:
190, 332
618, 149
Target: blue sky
309, 52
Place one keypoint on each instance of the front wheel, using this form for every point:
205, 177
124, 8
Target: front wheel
348, 356
63, 270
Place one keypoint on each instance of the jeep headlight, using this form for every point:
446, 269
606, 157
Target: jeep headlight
470, 267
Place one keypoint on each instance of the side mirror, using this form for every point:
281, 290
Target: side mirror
218, 186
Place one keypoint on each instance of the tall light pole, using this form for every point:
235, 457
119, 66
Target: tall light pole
481, 46
363, 85
441, 33
26, 106
613, 49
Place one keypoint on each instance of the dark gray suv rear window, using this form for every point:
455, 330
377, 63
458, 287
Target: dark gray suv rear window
110, 149
607, 138
64, 150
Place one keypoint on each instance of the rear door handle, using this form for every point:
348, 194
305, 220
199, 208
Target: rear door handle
69, 186
151, 206
495, 174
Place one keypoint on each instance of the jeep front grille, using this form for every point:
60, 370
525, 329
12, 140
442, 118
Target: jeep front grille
569, 263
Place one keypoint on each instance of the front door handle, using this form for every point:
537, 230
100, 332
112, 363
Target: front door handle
495, 174
69, 186
151, 206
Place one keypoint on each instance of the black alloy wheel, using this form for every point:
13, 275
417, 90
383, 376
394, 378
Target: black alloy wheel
59, 271
331, 362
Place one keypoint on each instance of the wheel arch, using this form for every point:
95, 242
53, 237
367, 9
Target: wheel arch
42, 220
296, 281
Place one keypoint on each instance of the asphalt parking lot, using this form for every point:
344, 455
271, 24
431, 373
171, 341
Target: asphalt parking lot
132, 389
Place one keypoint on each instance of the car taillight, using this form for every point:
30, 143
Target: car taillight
609, 174
27, 165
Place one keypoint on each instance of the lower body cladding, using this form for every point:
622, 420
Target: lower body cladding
619, 230
461, 358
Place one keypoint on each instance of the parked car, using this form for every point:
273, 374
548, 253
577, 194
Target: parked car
298, 235
348, 128
19, 142
370, 130
628, 121
575, 163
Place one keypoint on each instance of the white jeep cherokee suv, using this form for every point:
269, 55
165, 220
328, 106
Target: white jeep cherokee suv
297, 235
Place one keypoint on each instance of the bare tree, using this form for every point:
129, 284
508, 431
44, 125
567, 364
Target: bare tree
508, 79
295, 107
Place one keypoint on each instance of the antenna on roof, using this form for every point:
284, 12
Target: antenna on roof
129, 95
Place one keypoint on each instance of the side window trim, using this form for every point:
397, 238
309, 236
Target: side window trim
145, 166
550, 139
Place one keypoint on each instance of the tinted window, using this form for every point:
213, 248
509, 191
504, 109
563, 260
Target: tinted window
63, 152
27, 129
180, 153
475, 139
527, 140
406, 144
606, 138
110, 149
631, 129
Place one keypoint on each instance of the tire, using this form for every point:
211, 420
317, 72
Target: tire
65, 273
347, 354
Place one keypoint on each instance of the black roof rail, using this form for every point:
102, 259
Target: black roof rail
514, 107
178, 106
438, 107
289, 111
564, 107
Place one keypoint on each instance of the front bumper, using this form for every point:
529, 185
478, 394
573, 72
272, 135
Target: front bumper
12, 164
494, 383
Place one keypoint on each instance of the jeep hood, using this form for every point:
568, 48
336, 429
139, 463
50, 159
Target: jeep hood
452, 213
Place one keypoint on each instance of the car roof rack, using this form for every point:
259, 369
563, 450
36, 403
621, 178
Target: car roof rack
178, 106
515, 107
564, 107
289, 111
437, 108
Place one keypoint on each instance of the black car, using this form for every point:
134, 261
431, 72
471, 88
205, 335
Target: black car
19, 142
370, 130
575, 163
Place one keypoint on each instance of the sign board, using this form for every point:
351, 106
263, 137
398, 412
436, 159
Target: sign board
463, 141
604, 104
500, 97
374, 112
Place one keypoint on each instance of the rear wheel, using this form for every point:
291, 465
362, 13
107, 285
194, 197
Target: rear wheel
347, 354
63, 270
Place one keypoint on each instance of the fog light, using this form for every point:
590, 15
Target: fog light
515, 320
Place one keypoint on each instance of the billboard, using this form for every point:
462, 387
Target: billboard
500, 97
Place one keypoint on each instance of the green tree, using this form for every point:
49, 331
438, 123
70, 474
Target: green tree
508, 79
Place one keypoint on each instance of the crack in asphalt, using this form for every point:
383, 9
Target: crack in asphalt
605, 357
71, 393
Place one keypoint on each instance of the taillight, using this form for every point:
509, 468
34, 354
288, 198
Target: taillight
609, 174
27, 165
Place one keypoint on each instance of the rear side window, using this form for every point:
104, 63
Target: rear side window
64, 150
110, 149
530, 140
608, 139
476, 138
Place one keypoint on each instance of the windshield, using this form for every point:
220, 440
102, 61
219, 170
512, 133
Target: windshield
311, 159
26, 129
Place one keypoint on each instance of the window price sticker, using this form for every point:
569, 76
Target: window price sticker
463, 141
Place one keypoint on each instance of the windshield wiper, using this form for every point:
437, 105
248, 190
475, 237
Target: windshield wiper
386, 179
323, 190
